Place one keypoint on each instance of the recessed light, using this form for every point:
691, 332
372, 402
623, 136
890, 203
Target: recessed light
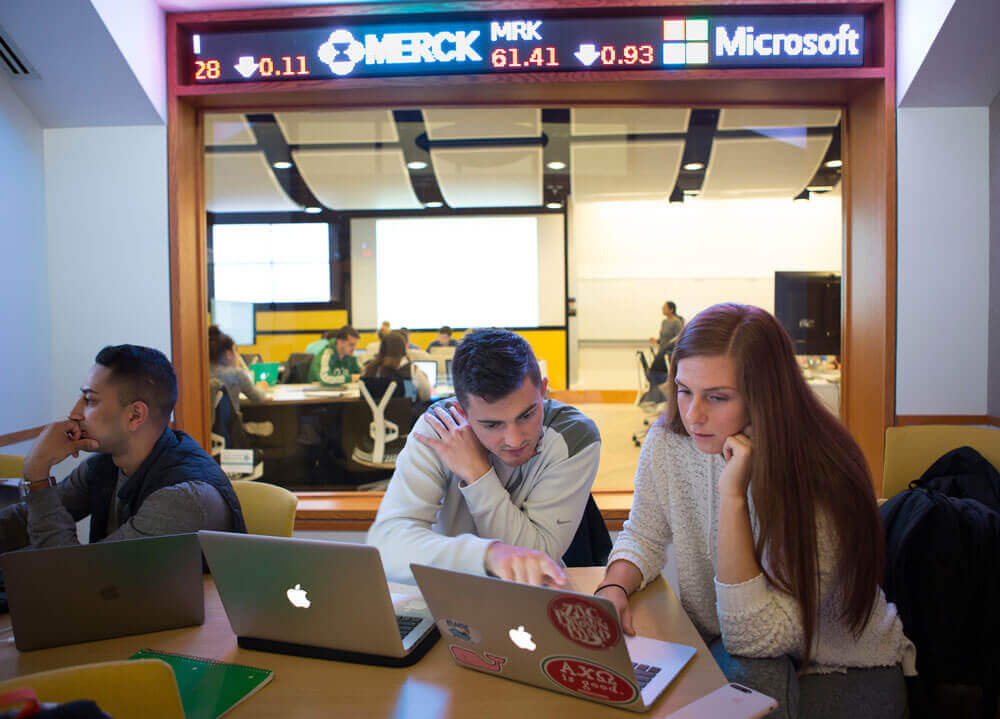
313, 210
282, 165
819, 188
433, 204
833, 163
416, 165
691, 193
554, 205
694, 166
556, 165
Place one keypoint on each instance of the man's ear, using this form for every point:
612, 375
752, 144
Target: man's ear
138, 414
544, 387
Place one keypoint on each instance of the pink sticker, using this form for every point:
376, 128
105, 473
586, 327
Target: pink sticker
590, 680
469, 658
585, 623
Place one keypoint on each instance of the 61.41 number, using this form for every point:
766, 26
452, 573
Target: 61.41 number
513, 57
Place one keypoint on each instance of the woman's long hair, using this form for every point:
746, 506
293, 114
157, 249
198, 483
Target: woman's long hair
804, 461
218, 344
391, 351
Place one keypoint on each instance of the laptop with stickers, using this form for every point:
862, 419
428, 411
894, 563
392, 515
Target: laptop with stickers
550, 638
319, 599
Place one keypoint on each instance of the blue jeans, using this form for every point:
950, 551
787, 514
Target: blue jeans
876, 693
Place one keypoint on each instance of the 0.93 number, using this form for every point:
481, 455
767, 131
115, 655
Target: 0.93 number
630, 55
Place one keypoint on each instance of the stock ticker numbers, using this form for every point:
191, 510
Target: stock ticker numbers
408, 46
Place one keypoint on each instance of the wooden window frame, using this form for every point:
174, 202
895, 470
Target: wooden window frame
866, 95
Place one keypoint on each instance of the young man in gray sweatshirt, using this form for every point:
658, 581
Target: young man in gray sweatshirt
495, 483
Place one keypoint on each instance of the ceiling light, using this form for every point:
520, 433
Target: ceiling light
833, 163
694, 166
819, 188
416, 165
282, 165
556, 165
313, 210
554, 205
691, 193
434, 204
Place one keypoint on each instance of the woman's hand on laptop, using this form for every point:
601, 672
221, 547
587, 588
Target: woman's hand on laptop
527, 566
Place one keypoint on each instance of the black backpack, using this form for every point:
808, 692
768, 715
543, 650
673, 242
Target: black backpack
943, 574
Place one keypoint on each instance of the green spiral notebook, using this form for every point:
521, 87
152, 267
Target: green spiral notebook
210, 688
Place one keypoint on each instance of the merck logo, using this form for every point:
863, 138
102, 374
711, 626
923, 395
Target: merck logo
685, 42
743, 42
342, 51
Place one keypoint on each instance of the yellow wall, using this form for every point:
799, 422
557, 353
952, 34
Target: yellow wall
549, 345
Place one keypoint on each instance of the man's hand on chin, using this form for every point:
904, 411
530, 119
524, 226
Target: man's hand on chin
57, 441
527, 566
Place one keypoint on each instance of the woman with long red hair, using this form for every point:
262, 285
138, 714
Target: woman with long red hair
768, 503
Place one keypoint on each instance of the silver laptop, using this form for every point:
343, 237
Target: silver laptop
551, 638
66, 595
320, 599
430, 368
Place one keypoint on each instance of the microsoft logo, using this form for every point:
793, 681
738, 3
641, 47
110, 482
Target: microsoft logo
685, 42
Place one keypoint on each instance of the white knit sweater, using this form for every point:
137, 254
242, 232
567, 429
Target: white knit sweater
677, 500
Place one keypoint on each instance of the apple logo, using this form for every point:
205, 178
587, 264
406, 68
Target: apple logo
522, 639
297, 596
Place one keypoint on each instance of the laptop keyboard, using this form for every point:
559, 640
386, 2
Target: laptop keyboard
407, 625
644, 673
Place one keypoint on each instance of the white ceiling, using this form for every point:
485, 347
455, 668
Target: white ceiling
243, 182
619, 170
778, 162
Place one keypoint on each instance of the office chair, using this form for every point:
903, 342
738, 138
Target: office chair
297, 368
648, 397
384, 441
228, 430
267, 508
910, 451
126, 688
591, 544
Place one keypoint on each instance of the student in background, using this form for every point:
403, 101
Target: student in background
391, 362
336, 364
670, 329
224, 365
443, 339
372, 349
495, 483
317, 346
769, 504
147, 479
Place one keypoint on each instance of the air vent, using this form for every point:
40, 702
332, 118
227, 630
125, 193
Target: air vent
11, 59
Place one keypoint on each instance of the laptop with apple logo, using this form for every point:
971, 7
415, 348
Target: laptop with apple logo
550, 638
315, 598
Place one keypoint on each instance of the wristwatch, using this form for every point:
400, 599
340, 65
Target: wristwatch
27, 487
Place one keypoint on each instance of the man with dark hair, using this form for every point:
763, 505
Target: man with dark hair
336, 363
496, 483
443, 339
148, 479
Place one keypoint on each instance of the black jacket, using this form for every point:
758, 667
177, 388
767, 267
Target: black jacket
175, 458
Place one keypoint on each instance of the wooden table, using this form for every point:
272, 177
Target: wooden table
434, 687
313, 393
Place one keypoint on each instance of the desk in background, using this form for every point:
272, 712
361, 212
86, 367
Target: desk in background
432, 688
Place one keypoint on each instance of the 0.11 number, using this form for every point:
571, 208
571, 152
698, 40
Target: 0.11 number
266, 66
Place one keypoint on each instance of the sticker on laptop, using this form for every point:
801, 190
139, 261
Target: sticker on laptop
589, 680
489, 663
584, 622
454, 629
